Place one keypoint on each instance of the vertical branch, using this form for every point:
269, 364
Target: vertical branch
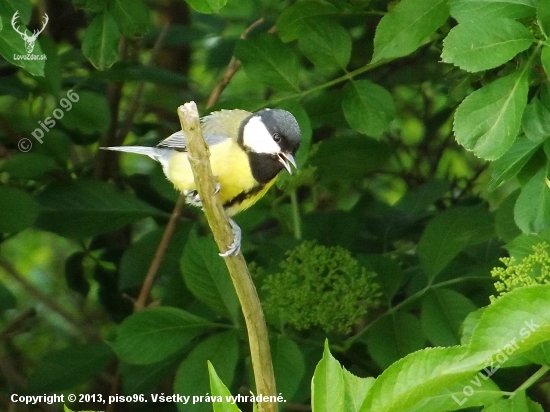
219, 224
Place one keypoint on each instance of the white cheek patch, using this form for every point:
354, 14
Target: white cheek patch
257, 138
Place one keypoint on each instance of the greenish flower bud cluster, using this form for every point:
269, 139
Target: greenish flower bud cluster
321, 287
534, 269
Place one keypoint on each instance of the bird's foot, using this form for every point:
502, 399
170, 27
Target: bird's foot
192, 197
235, 247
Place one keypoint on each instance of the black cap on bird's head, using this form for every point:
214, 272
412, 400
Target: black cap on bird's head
273, 132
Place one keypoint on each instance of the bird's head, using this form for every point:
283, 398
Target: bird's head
273, 132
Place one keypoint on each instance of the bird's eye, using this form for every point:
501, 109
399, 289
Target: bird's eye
277, 137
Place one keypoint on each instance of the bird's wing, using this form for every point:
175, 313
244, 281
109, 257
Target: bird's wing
216, 127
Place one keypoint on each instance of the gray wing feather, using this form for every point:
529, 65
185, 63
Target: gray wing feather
216, 127
177, 140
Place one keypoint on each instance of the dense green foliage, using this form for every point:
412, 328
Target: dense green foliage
307, 291
424, 162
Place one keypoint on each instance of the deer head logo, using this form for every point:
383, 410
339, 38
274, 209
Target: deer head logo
29, 40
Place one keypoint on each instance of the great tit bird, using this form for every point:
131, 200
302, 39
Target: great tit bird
247, 152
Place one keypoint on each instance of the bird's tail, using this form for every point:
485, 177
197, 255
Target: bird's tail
155, 153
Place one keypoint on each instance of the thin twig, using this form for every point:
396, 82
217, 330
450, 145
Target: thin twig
232, 67
46, 300
219, 224
114, 390
16, 323
159, 255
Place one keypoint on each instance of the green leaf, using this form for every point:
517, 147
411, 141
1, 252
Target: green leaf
505, 226
540, 354
29, 165
508, 165
135, 72
52, 68
222, 351
390, 274
356, 390
368, 107
88, 208
294, 20
417, 201
100, 41
349, 158
517, 403
218, 388
206, 6
522, 246
12, 48
536, 121
407, 26
154, 334
326, 43
450, 232
131, 16
488, 120
69, 367
393, 337
516, 322
137, 258
267, 60
443, 311
532, 211
145, 378
453, 397
89, 114
477, 45
545, 59
288, 364
469, 324
9, 7
19, 210
327, 385
418, 376
206, 276
7, 299
92, 5
543, 16
463, 10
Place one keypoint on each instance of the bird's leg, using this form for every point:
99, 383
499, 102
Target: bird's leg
235, 247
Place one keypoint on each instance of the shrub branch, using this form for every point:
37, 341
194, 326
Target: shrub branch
238, 270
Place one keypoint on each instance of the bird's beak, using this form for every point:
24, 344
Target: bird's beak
287, 159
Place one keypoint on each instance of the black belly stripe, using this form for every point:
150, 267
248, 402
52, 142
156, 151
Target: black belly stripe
241, 197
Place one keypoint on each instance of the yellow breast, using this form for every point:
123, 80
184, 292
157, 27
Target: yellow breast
231, 169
